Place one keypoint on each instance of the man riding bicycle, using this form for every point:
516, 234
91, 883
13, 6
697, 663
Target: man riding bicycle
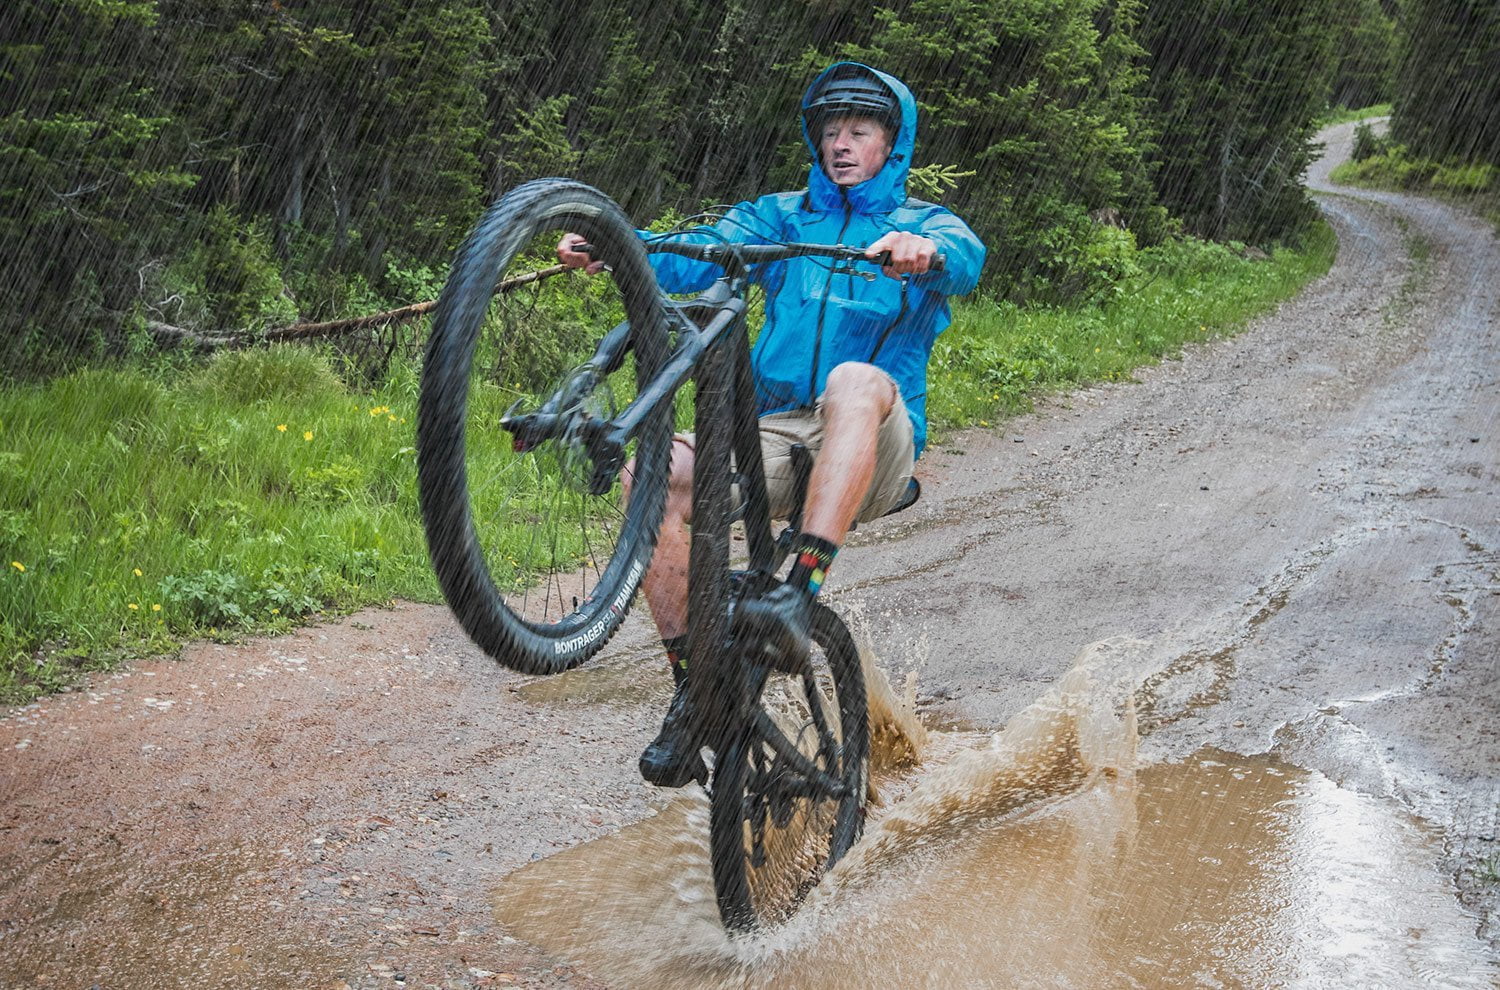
840, 365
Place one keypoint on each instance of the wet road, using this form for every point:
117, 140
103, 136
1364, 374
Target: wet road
1300, 526
1043, 857
1304, 523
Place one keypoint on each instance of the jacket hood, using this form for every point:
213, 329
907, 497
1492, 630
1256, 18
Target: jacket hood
886, 190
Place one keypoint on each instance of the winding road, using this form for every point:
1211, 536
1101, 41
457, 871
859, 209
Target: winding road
1301, 524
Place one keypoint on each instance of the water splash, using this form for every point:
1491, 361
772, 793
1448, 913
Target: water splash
645, 894
1040, 857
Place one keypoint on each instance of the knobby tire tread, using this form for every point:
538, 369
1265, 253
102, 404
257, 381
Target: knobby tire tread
727, 852
506, 229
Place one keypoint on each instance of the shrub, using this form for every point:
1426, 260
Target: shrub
229, 280
1367, 143
262, 375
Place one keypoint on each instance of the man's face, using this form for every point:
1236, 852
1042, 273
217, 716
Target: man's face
853, 149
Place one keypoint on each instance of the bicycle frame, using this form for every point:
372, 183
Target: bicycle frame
712, 348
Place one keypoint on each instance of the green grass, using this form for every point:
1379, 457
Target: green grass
244, 496
1472, 185
1345, 115
141, 508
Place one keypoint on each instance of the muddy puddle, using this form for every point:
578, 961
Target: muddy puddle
1040, 857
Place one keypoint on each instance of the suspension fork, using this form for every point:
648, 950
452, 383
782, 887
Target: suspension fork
749, 465
714, 680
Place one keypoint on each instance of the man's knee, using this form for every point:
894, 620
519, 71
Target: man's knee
857, 381
679, 479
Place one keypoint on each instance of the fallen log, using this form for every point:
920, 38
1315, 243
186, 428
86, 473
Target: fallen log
170, 336
299, 331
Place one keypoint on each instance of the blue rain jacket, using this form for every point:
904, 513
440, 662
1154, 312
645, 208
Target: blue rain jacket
817, 319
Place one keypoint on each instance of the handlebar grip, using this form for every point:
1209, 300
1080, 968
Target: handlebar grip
939, 261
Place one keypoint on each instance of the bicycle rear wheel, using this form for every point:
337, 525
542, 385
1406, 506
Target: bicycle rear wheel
536, 562
789, 786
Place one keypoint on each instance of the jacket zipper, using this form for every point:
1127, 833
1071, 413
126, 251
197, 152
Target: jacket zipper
885, 334
812, 381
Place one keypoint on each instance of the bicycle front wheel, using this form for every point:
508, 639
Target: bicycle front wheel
789, 787
537, 562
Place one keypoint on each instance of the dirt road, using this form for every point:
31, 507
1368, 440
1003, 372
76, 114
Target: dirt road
1302, 523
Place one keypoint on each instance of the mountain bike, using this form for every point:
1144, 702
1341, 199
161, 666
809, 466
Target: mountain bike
789, 743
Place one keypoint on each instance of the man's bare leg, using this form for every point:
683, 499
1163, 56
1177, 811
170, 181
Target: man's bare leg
856, 401
666, 581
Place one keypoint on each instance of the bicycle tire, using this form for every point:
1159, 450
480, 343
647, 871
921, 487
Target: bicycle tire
588, 577
815, 832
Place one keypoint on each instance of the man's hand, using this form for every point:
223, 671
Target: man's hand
911, 254
577, 259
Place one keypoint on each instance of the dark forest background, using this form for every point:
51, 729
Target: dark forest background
229, 164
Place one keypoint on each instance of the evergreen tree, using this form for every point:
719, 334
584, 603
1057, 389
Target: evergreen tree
89, 161
1367, 56
1043, 98
1448, 95
1238, 85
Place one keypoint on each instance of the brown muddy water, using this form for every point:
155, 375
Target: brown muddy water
1040, 857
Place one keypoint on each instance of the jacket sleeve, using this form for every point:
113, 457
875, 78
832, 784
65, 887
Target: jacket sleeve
963, 250
745, 223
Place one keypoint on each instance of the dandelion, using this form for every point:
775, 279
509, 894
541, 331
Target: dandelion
156, 608
307, 435
280, 427
18, 566
133, 607
136, 572
391, 418
275, 611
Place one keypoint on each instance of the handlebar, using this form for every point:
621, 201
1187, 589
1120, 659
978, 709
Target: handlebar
729, 255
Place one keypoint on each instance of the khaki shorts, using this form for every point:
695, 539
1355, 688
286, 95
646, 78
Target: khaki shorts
895, 456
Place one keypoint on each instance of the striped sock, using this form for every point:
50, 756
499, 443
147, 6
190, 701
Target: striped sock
814, 558
677, 653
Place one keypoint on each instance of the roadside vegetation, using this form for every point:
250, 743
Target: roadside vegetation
998, 357
1346, 115
1380, 162
154, 501
180, 172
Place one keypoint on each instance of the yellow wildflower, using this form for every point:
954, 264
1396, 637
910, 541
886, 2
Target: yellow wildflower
280, 427
18, 566
156, 608
391, 417
307, 435
136, 572
275, 611
133, 607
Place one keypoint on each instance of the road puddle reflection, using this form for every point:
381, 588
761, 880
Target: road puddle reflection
1040, 858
